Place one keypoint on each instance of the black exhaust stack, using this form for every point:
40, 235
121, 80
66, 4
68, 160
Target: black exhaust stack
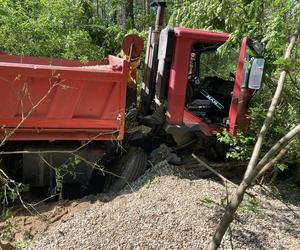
151, 60
160, 16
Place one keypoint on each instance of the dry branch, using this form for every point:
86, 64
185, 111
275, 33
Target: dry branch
202, 163
280, 145
272, 162
34, 107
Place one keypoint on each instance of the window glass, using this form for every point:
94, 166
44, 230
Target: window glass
223, 65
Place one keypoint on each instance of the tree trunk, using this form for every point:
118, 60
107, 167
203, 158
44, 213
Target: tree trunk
148, 2
233, 203
253, 168
128, 14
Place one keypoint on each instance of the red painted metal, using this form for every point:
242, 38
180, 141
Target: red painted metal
190, 119
132, 46
196, 35
239, 103
176, 114
180, 66
48, 61
185, 38
55, 99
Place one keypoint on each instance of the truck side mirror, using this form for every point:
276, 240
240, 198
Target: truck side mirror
256, 73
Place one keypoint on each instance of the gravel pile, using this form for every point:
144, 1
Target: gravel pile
171, 208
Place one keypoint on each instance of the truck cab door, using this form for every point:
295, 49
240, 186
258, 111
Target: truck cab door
238, 113
248, 79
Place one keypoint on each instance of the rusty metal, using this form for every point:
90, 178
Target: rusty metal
151, 62
160, 16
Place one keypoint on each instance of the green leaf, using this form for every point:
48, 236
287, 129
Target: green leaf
281, 166
4, 12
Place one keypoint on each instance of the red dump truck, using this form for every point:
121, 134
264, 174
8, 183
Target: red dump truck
65, 113
65, 116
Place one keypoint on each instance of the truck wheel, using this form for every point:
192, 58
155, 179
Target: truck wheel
131, 166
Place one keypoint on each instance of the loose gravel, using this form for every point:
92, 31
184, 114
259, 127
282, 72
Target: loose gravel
170, 208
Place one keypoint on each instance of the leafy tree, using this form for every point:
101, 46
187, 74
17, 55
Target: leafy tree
45, 28
268, 21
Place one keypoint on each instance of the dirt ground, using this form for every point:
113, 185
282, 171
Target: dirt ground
17, 231
170, 207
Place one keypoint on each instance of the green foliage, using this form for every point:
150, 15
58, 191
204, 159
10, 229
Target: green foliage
240, 145
68, 29
20, 244
11, 190
221, 203
46, 28
249, 205
283, 62
67, 168
267, 21
62, 28
146, 182
58, 180
287, 116
6, 214
8, 232
281, 166
11, 231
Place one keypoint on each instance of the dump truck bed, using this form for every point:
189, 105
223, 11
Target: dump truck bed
54, 99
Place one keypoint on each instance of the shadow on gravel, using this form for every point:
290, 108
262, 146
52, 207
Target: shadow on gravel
250, 240
257, 239
189, 171
287, 197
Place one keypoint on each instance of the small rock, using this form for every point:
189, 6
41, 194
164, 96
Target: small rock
160, 154
173, 158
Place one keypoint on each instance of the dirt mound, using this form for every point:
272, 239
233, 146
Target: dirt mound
18, 230
170, 208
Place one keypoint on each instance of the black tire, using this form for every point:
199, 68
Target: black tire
131, 166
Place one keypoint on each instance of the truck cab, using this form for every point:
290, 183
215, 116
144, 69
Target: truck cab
199, 88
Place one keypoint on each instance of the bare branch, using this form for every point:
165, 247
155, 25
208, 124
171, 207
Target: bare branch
24, 118
58, 151
202, 163
281, 144
271, 163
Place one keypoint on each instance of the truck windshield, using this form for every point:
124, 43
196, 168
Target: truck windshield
220, 65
